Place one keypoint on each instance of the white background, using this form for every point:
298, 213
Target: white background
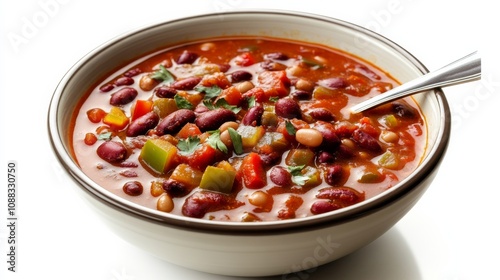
451, 234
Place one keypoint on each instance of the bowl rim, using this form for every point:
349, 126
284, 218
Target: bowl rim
366, 207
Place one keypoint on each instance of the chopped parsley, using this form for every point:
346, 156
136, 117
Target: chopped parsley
182, 103
290, 128
236, 140
189, 145
210, 92
215, 142
163, 75
221, 103
297, 177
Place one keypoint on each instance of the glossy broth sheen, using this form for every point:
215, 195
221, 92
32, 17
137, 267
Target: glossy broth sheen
317, 157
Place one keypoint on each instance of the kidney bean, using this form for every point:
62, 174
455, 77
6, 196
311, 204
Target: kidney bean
175, 188
333, 83
280, 176
133, 188
187, 58
272, 65
301, 94
271, 158
112, 151
240, 75
213, 119
322, 114
175, 121
324, 206
276, 56
143, 124
107, 88
344, 195
123, 96
325, 157
187, 83
334, 174
404, 110
201, 108
124, 81
253, 116
224, 67
287, 108
132, 72
366, 141
330, 139
202, 202
165, 92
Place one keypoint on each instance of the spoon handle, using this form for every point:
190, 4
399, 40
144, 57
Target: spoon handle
464, 70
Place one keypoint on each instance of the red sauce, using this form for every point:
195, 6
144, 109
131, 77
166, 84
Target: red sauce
295, 150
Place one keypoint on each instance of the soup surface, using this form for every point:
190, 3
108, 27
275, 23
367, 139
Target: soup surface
246, 129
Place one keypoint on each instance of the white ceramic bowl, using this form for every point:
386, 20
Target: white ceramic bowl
264, 248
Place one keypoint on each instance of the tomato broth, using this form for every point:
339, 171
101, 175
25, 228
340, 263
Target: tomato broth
246, 129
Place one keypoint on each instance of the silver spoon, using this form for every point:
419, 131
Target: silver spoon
466, 69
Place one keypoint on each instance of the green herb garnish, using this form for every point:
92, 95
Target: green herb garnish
274, 98
189, 145
297, 177
221, 103
290, 128
215, 142
163, 75
182, 102
210, 92
236, 140
251, 101
105, 136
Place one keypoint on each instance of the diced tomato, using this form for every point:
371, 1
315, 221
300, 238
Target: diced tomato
141, 108
274, 83
189, 129
232, 95
202, 157
254, 175
216, 79
258, 93
245, 59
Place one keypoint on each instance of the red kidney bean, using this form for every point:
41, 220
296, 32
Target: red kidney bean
133, 72
333, 83
240, 75
344, 195
202, 202
123, 96
325, 157
175, 121
301, 94
276, 56
186, 84
224, 67
330, 139
287, 108
213, 119
272, 65
404, 110
201, 108
187, 58
124, 81
271, 158
322, 114
107, 88
280, 176
334, 174
324, 206
175, 188
165, 92
366, 141
112, 151
253, 116
143, 124
133, 188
